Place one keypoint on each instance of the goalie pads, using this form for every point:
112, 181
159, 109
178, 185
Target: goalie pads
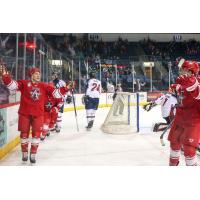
149, 106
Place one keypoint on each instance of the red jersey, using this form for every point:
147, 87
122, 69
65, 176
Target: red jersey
185, 128
51, 102
33, 95
187, 102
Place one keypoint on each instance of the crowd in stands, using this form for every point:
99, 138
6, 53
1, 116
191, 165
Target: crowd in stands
171, 50
97, 51
121, 49
83, 47
6, 44
109, 53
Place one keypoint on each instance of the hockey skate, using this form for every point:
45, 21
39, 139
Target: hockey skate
90, 125
48, 134
58, 129
42, 137
24, 156
52, 130
32, 158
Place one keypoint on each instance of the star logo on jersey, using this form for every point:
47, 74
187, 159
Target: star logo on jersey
190, 140
35, 94
48, 105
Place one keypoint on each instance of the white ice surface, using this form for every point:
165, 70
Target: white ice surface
70, 147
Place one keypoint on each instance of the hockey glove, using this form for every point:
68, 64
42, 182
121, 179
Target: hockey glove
69, 99
85, 99
149, 106
71, 85
54, 110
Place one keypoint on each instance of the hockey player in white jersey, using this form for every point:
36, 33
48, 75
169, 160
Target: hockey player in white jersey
168, 102
91, 98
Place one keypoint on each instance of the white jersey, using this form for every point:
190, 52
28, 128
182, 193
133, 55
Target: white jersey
167, 101
93, 88
60, 83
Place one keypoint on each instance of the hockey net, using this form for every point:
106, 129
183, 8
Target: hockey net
123, 115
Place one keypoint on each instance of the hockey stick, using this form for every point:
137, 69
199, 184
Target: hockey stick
162, 135
72, 91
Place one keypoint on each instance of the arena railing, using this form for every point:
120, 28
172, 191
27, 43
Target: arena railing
129, 72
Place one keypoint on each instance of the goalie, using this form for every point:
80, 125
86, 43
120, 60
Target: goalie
168, 103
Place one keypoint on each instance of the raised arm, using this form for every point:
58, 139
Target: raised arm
8, 81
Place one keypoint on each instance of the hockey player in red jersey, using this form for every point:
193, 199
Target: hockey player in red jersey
31, 110
185, 128
51, 109
57, 84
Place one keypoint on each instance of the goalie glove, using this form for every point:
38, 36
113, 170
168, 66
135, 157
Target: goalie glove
149, 106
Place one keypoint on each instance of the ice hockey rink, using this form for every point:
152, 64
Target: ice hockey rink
70, 147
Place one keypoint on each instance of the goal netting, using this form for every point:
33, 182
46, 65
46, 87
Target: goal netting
123, 117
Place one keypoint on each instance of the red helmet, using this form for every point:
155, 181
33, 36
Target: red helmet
191, 65
32, 70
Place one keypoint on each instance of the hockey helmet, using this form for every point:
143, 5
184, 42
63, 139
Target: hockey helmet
32, 70
192, 66
62, 83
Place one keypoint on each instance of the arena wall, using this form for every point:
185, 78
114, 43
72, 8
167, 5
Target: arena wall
9, 137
